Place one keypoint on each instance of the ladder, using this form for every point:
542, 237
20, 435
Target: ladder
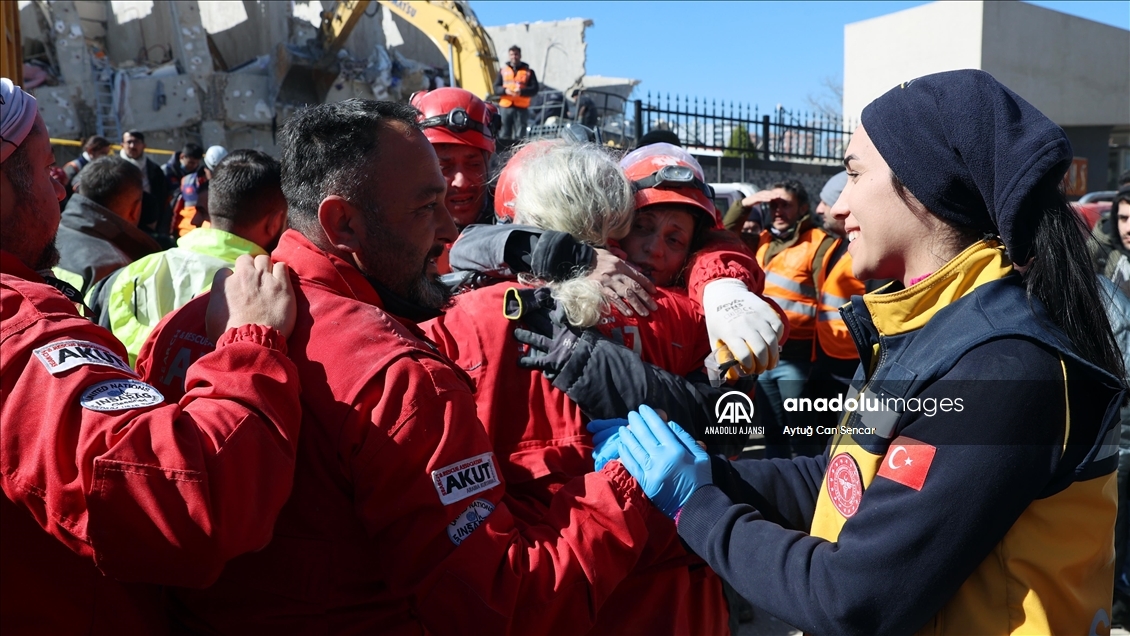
106, 120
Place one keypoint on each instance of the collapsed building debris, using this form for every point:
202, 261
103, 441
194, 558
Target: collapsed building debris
204, 71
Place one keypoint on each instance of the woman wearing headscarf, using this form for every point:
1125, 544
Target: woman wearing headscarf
970, 487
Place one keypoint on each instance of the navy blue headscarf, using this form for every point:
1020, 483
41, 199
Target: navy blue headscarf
970, 150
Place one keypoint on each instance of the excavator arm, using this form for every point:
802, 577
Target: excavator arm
453, 27
304, 73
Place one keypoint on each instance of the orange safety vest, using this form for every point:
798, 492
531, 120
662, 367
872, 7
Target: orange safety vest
789, 281
836, 288
515, 81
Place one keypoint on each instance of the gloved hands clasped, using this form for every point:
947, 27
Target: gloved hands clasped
742, 327
664, 459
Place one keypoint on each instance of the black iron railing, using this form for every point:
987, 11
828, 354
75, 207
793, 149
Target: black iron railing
737, 130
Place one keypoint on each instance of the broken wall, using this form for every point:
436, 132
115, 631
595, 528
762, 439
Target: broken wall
554, 50
168, 63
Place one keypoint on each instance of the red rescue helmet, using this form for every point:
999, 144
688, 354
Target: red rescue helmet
456, 116
663, 173
504, 192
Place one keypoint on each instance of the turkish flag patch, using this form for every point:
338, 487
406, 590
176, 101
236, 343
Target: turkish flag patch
907, 462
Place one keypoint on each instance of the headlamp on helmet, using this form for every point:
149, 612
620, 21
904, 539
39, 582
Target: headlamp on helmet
669, 177
457, 120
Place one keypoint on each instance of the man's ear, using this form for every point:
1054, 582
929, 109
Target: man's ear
342, 222
276, 222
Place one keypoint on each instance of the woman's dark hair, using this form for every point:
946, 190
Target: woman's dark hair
963, 236
1060, 276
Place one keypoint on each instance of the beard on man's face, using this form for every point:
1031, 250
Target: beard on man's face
390, 262
48, 258
22, 231
426, 291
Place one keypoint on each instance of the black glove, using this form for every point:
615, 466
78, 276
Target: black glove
548, 254
551, 342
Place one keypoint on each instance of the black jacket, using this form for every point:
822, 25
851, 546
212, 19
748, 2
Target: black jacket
93, 241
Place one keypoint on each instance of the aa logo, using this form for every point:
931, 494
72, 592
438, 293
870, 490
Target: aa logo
734, 407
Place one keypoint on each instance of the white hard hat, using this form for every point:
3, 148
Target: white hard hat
214, 155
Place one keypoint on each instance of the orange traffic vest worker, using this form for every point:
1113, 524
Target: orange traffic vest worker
789, 278
520, 79
836, 285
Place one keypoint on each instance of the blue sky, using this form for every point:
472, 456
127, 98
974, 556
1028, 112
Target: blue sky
763, 53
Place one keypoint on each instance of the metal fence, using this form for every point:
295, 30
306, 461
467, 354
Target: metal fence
737, 130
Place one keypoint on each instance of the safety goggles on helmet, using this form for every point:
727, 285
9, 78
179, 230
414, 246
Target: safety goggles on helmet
669, 177
457, 121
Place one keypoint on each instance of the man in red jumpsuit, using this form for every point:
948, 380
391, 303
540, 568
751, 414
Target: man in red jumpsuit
132, 490
398, 521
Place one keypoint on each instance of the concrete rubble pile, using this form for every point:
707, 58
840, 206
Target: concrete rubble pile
205, 71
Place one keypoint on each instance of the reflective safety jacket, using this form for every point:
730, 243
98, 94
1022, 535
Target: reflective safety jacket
106, 482
131, 301
969, 490
521, 80
836, 285
398, 521
789, 279
543, 445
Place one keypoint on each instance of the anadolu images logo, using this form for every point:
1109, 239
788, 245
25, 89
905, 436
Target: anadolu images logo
734, 407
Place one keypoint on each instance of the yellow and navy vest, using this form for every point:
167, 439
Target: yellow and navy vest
1053, 571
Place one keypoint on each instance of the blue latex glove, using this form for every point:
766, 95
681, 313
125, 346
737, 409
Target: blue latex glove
606, 440
664, 459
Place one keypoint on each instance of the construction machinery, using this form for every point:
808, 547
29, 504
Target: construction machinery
11, 47
304, 74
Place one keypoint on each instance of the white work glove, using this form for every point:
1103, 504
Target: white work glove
741, 326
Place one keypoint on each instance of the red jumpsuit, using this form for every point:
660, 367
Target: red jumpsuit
540, 440
138, 488
397, 522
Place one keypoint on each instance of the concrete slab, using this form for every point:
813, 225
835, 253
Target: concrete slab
57, 107
213, 133
181, 103
71, 49
254, 137
246, 100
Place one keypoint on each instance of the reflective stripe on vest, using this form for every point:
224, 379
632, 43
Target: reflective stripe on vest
807, 291
516, 82
836, 289
788, 281
151, 287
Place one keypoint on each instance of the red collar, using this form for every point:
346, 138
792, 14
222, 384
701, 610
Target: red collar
9, 264
313, 265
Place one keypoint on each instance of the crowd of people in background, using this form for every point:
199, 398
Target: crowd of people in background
396, 379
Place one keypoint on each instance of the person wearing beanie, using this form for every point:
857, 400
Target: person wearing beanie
109, 490
970, 487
